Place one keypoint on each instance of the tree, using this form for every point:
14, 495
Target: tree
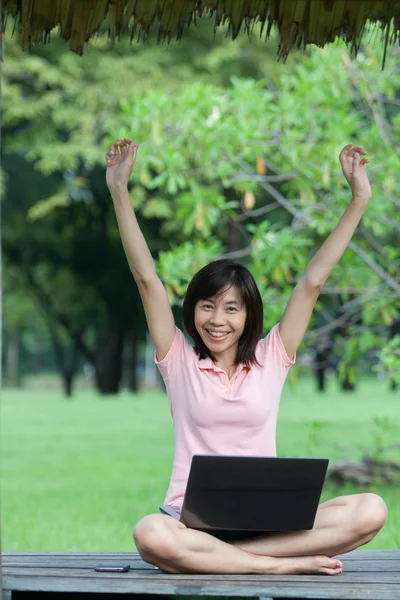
281, 146
72, 265
249, 168
68, 209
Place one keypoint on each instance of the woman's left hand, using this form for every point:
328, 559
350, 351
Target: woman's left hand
353, 166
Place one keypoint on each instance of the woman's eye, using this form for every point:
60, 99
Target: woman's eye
232, 309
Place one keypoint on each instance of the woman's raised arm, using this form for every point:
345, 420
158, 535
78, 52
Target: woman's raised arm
120, 161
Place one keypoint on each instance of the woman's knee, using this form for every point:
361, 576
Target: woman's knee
370, 514
154, 538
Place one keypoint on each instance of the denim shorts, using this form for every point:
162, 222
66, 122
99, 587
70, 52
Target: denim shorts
229, 535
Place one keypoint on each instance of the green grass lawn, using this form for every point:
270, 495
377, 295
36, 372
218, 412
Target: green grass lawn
77, 475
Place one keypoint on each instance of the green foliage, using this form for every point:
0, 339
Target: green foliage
213, 127
217, 136
351, 349
277, 254
377, 446
177, 268
389, 360
383, 433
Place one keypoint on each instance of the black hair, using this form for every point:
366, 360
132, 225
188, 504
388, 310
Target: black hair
214, 279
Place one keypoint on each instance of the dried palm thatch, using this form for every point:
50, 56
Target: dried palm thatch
300, 22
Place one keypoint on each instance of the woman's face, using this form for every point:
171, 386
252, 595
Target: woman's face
220, 321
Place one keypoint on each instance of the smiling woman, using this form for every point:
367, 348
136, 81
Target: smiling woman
220, 322
224, 392
223, 311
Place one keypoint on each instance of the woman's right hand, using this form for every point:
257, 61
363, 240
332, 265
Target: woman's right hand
120, 160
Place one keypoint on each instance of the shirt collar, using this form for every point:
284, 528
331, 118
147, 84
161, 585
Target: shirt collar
208, 364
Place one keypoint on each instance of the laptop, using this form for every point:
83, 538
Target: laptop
251, 493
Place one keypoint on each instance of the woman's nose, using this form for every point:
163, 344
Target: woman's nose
217, 317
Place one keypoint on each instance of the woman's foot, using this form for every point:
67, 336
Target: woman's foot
311, 565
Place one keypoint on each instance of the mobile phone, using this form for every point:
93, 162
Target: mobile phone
112, 568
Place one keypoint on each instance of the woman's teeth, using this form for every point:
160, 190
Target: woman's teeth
217, 334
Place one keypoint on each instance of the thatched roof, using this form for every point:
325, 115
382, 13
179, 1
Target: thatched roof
300, 22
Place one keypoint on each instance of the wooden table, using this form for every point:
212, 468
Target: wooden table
368, 575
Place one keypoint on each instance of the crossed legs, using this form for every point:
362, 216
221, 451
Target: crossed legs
342, 524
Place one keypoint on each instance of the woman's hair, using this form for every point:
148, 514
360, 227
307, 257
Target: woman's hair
213, 279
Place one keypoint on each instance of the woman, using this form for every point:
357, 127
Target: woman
224, 392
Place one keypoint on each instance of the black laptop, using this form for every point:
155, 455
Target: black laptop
251, 493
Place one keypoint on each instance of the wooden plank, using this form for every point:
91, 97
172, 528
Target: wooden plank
368, 575
124, 586
146, 570
349, 567
220, 582
77, 564
193, 579
359, 563
381, 555
6, 558
354, 555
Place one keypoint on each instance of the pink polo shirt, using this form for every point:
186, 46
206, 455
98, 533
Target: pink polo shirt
214, 415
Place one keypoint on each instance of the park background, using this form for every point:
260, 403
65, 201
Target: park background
238, 156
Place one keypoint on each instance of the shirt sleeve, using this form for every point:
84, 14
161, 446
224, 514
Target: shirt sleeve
273, 351
174, 358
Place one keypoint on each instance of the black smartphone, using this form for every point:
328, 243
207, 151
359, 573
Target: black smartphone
112, 568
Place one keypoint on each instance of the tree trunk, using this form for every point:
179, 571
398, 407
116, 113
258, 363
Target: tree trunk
394, 330
234, 236
69, 371
346, 385
321, 361
234, 228
344, 331
68, 379
66, 358
12, 367
108, 364
133, 379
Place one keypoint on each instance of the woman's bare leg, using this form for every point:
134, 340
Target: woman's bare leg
168, 544
341, 524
